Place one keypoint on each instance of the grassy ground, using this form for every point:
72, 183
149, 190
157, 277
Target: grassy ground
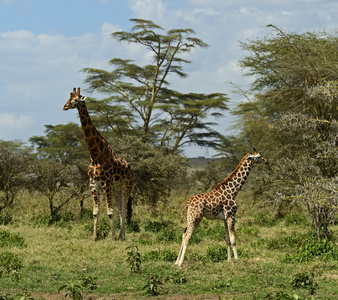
64, 255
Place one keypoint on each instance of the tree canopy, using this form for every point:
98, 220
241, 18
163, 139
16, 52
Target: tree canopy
291, 114
139, 98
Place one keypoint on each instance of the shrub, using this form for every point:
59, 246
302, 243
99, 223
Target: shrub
10, 264
11, 239
304, 281
217, 253
153, 285
154, 226
134, 259
264, 220
296, 219
56, 220
165, 255
5, 218
312, 249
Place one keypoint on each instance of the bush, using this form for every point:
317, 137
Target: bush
154, 226
11, 239
165, 255
5, 219
56, 220
264, 220
10, 264
312, 249
304, 281
217, 253
296, 219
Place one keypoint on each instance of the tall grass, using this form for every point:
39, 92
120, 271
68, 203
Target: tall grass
60, 254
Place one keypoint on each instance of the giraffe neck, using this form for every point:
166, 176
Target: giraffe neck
97, 145
236, 179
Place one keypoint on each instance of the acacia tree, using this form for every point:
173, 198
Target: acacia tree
140, 101
292, 115
14, 159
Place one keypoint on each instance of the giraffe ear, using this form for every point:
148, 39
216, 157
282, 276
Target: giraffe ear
83, 98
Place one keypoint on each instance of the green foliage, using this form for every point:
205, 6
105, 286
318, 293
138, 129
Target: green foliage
134, 259
295, 219
304, 281
75, 290
249, 230
217, 253
155, 226
160, 116
167, 235
280, 295
163, 255
103, 229
178, 277
133, 226
55, 220
5, 218
313, 249
292, 114
154, 285
10, 264
264, 220
11, 239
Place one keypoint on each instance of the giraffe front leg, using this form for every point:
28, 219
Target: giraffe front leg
227, 239
95, 190
232, 237
110, 210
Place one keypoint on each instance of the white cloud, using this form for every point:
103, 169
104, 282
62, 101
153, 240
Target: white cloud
10, 125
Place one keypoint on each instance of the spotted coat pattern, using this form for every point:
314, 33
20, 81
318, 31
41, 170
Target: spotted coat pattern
107, 170
219, 204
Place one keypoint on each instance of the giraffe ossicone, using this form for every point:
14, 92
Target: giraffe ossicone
107, 171
219, 204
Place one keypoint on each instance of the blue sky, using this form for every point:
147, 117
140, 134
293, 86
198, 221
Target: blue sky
45, 43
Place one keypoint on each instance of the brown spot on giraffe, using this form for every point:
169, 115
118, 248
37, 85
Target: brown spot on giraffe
107, 171
219, 204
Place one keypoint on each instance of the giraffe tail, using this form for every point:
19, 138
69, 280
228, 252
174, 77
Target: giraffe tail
129, 210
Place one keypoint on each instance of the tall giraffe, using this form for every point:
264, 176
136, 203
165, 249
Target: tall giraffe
219, 204
106, 170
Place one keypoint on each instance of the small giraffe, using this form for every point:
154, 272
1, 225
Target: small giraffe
219, 204
106, 170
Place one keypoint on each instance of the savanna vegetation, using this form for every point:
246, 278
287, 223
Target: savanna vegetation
286, 226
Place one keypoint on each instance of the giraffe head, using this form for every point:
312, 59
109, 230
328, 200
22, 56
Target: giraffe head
257, 157
74, 100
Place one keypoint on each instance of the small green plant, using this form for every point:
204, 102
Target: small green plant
264, 220
73, 291
134, 259
295, 219
312, 249
280, 295
217, 253
154, 285
249, 230
11, 239
56, 220
5, 218
88, 282
304, 281
165, 255
10, 264
177, 277
167, 235
155, 226
103, 229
